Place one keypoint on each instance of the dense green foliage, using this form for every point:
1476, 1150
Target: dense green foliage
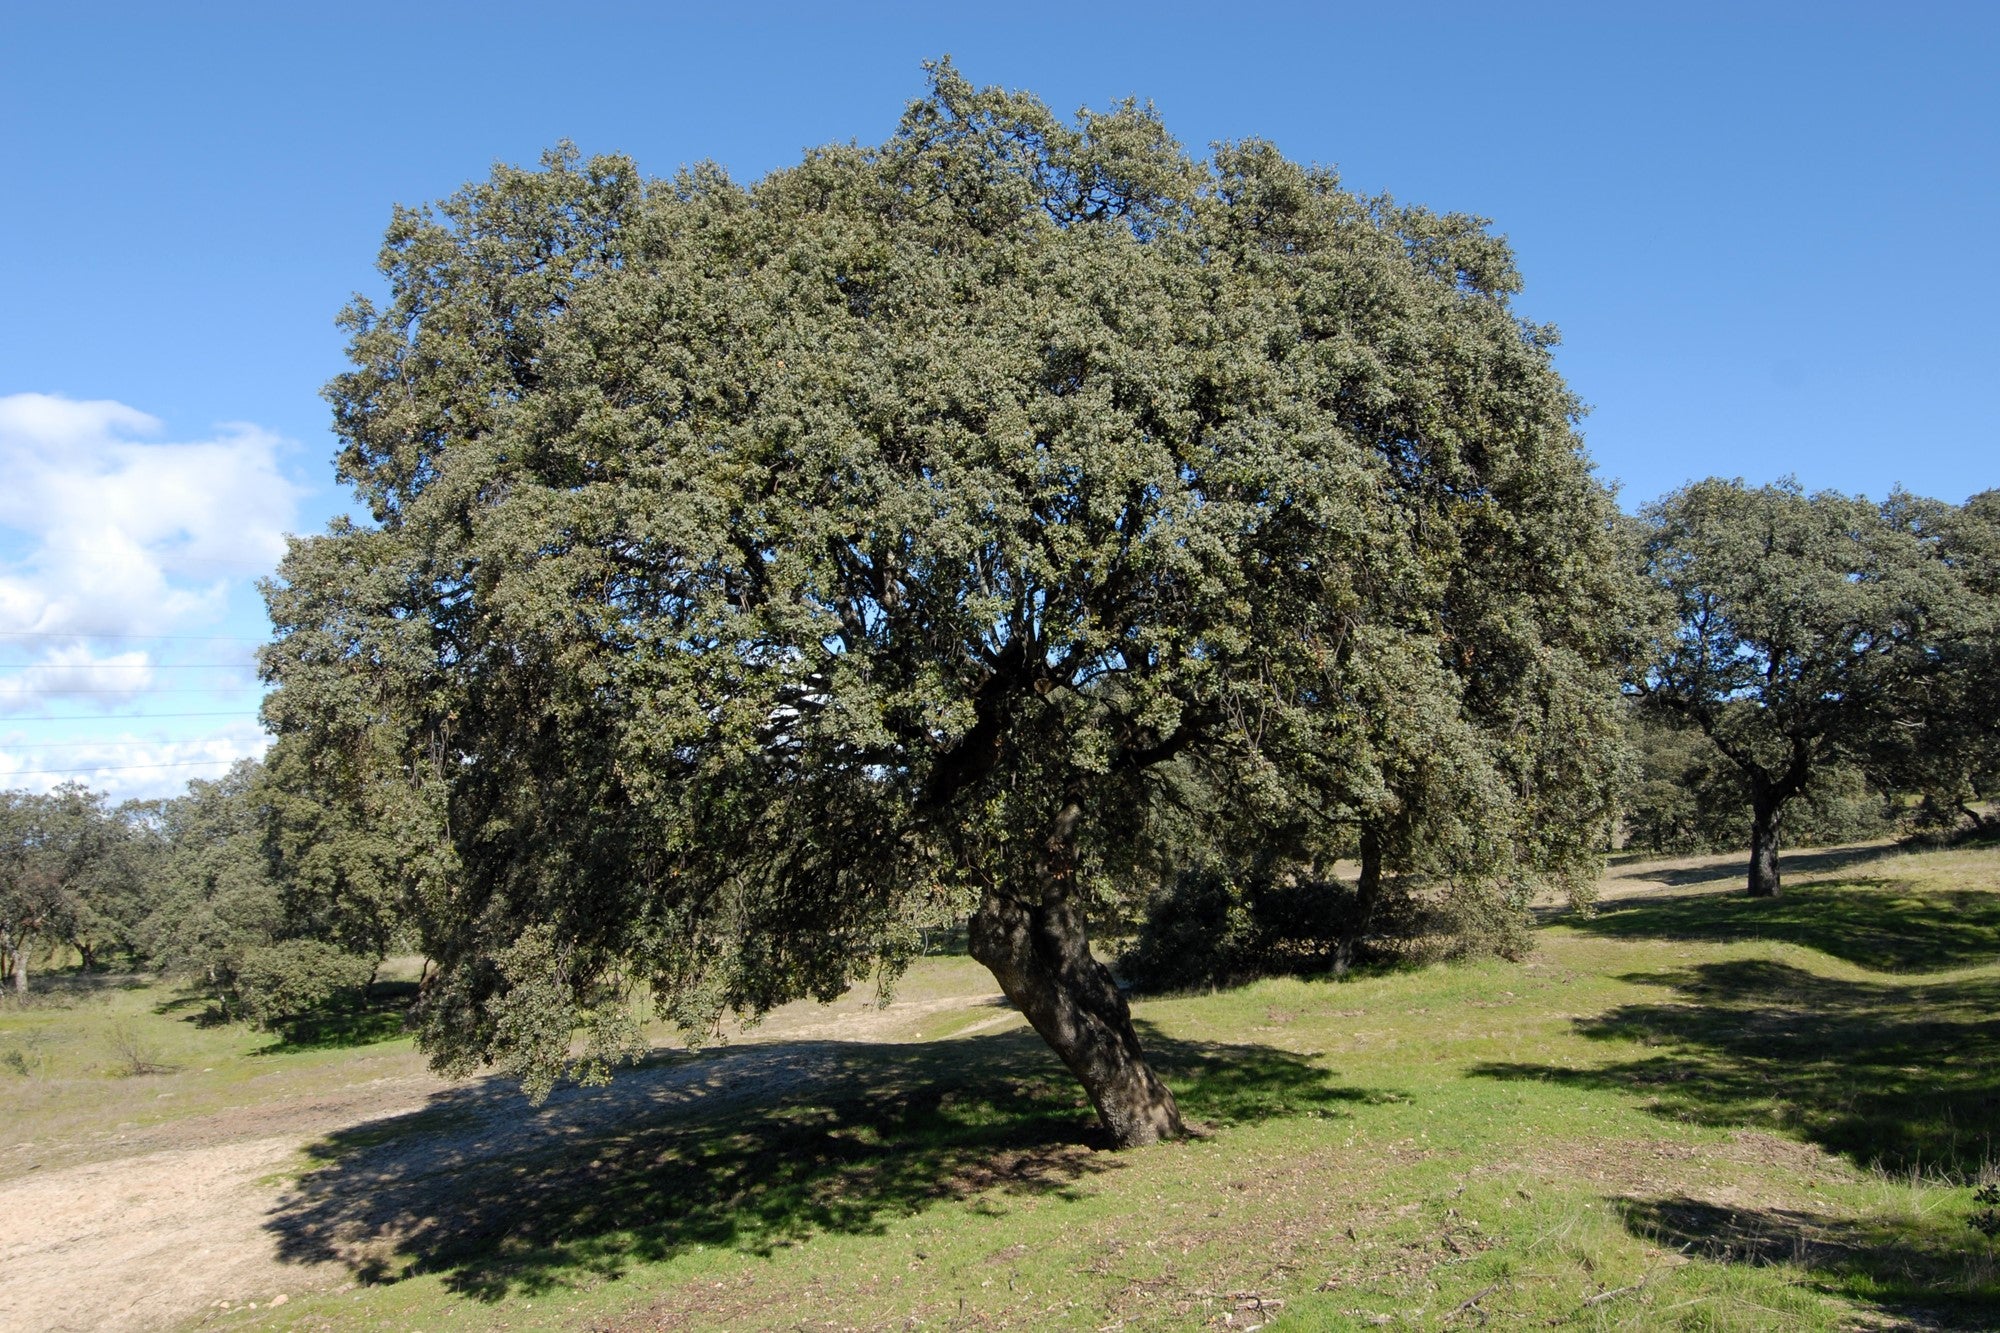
1943, 742
1208, 927
292, 980
1214, 925
193, 887
1795, 630
1018, 522
757, 573
1684, 795
70, 875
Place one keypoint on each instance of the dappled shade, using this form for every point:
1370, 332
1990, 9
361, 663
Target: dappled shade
1901, 1074
753, 1147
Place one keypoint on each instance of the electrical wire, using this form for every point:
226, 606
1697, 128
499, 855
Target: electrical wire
121, 743
136, 689
111, 717
113, 634
117, 768
125, 666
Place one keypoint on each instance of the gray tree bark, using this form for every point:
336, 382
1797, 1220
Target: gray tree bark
1367, 892
1764, 847
1040, 954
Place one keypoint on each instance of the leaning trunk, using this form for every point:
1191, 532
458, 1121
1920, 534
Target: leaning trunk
1764, 848
1040, 954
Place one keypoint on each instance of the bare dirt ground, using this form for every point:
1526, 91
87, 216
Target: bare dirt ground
173, 1220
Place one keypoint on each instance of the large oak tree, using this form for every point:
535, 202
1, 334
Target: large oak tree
756, 573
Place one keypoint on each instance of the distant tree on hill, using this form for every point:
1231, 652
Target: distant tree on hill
757, 573
1793, 626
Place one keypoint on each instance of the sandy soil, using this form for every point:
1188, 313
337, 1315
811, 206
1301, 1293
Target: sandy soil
177, 1219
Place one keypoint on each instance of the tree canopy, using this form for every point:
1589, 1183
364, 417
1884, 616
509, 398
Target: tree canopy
1943, 744
69, 874
1794, 628
755, 573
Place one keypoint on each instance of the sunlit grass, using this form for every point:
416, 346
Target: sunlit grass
1675, 1116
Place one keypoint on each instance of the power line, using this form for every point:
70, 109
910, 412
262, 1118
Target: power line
133, 689
117, 634
125, 666
120, 743
111, 717
116, 768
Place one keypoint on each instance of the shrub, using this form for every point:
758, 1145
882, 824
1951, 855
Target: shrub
137, 1053
1219, 927
293, 980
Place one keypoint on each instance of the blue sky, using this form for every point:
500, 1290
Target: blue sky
1763, 230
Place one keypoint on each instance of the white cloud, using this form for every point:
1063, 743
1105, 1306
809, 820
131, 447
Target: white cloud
106, 533
127, 766
76, 671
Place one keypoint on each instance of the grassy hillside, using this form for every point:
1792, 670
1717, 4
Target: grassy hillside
1691, 1110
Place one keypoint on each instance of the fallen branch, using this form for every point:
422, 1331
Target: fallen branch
1603, 1296
1471, 1302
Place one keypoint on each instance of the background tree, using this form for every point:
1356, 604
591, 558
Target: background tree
1792, 620
755, 574
1685, 796
1944, 744
69, 875
215, 898
337, 870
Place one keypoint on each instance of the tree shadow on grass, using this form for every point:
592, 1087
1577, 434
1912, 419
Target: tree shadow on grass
355, 1021
1904, 1075
752, 1148
1813, 861
1879, 923
1930, 1270
361, 1022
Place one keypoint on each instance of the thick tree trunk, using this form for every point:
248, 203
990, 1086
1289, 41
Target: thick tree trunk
21, 966
1763, 847
1040, 954
1367, 892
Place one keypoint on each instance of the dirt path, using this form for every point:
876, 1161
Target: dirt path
178, 1220
140, 1241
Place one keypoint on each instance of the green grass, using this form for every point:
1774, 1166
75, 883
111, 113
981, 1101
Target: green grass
1886, 920
1693, 1112
91, 1063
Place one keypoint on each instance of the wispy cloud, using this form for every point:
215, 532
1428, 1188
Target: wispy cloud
76, 672
128, 766
103, 531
